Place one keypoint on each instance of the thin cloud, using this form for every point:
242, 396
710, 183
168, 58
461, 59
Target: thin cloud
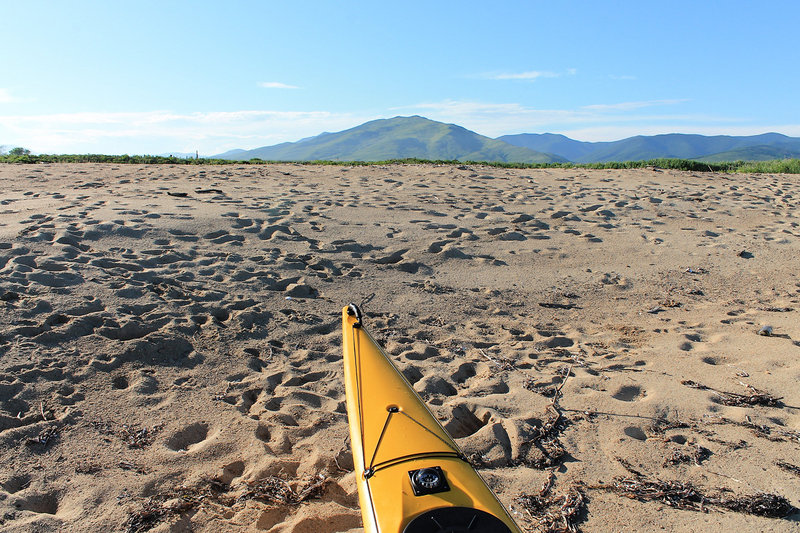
530, 75
629, 106
617, 132
494, 119
7, 98
276, 85
162, 131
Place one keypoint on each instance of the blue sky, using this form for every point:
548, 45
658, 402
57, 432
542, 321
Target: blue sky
160, 77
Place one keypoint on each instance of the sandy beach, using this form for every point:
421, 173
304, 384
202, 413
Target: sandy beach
170, 342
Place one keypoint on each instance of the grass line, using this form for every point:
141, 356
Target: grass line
784, 166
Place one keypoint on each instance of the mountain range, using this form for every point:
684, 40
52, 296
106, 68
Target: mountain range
397, 138
422, 138
671, 146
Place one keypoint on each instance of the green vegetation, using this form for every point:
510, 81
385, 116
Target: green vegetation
755, 153
784, 166
120, 159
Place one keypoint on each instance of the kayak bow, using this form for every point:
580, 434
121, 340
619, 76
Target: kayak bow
411, 475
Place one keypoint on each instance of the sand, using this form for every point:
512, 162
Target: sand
170, 338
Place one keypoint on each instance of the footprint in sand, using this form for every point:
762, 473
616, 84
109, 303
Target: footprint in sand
434, 385
464, 372
46, 503
16, 483
187, 437
629, 393
635, 432
120, 382
467, 420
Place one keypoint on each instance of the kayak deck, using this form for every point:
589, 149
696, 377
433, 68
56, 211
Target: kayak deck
406, 465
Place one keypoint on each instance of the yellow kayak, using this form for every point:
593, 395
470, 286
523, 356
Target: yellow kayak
411, 475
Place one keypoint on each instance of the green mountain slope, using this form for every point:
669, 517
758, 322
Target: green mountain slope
673, 145
398, 138
754, 153
552, 143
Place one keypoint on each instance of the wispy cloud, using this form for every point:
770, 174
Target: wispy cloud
629, 106
7, 98
276, 85
529, 75
162, 131
615, 132
217, 131
591, 123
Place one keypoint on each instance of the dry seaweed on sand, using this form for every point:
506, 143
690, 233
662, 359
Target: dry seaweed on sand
772, 433
682, 495
546, 438
754, 397
673, 493
697, 456
134, 436
555, 513
761, 504
788, 467
500, 362
213, 493
276, 490
148, 516
548, 390
686, 496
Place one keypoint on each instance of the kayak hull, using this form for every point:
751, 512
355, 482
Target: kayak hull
400, 450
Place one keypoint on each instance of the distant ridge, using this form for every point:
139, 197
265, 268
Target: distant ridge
755, 153
673, 145
397, 138
417, 137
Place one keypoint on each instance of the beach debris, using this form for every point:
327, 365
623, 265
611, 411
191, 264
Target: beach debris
765, 331
548, 390
699, 270
546, 436
127, 465
45, 437
178, 194
760, 504
209, 191
788, 467
213, 493
151, 512
697, 456
273, 489
772, 433
655, 310
682, 495
499, 362
755, 396
744, 254
555, 513
777, 309
134, 436
553, 305
88, 467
